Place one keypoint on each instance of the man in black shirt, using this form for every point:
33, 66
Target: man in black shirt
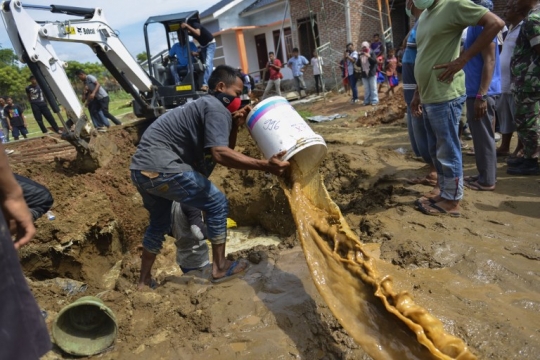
39, 106
208, 46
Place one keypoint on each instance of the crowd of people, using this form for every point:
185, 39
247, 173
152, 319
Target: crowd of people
493, 82
12, 116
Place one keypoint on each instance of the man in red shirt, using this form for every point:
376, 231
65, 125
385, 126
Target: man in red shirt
273, 66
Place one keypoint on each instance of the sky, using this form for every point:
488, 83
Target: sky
126, 17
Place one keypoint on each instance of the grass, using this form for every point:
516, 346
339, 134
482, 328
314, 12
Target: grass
305, 113
118, 107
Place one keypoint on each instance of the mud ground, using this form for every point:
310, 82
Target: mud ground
478, 273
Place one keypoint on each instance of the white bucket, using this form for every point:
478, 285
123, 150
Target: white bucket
276, 126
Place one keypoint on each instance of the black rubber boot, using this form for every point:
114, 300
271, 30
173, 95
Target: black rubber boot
527, 167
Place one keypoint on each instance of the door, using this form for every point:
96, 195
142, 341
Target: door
262, 52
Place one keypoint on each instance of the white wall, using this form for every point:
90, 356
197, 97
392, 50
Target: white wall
230, 49
251, 49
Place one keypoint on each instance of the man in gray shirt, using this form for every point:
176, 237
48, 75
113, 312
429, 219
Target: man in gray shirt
98, 97
175, 157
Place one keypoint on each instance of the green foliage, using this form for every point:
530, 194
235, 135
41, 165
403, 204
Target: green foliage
142, 57
8, 58
13, 82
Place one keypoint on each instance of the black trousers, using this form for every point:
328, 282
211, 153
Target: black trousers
318, 82
23, 333
41, 109
104, 106
37, 197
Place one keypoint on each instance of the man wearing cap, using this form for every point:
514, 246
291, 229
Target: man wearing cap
39, 106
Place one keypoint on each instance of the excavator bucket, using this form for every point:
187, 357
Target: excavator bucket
101, 150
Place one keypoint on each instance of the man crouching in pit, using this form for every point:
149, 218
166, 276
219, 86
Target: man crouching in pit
175, 157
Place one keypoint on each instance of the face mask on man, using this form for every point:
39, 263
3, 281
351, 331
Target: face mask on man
232, 103
408, 12
423, 4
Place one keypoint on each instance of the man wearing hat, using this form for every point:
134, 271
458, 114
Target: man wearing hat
39, 106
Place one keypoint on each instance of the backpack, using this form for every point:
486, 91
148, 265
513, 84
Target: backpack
251, 81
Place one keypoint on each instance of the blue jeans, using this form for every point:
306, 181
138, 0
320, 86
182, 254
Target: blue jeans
190, 188
352, 84
442, 129
371, 96
208, 56
418, 136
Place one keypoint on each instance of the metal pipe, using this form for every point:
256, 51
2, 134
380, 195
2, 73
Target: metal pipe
348, 21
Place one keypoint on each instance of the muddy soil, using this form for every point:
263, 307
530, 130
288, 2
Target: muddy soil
478, 273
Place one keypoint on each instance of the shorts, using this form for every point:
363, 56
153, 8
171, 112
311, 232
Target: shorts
345, 81
506, 112
19, 130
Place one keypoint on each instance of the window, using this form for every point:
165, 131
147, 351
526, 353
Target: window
287, 40
307, 44
219, 56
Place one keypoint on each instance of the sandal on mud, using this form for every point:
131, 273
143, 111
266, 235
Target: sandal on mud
422, 181
475, 185
439, 211
471, 178
202, 268
423, 200
230, 274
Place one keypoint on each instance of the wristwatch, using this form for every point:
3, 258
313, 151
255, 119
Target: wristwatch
481, 97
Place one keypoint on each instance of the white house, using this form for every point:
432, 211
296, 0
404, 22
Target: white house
246, 30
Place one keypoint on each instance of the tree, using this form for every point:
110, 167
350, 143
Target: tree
13, 82
8, 57
141, 57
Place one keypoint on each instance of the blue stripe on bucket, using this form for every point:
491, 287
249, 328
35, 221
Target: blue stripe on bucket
259, 113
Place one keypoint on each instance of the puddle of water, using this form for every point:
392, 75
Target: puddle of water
241, 238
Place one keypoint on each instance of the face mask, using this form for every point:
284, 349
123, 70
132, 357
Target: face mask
232, 103
408, 12
423, 4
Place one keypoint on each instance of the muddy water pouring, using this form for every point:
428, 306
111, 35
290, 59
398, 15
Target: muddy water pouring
361, 299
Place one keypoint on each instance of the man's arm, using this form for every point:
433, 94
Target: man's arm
233, 159
23, 117
488, 54
492, 24
239, 118
28, 94
532, 31
192, 30
13, 204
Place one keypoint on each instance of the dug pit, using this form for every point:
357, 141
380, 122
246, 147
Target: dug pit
275, 310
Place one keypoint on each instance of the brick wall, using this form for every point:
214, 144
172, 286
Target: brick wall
498, 7
331, 22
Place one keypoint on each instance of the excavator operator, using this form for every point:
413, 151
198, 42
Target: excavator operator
181, 51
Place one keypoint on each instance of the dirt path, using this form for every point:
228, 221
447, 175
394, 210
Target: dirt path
478, 273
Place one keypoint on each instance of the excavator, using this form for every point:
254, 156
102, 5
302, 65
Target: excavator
153, 93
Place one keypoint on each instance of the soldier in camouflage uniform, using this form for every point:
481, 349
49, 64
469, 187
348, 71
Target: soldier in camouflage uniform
525, 67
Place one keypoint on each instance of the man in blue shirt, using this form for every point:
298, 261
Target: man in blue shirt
181, 51
297, 64
415, 124
483, 88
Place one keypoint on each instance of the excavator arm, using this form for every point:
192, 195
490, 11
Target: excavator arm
32, 44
